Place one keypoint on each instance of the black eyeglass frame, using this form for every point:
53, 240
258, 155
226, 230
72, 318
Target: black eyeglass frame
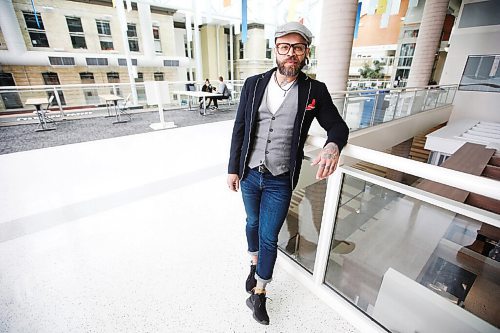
291, 46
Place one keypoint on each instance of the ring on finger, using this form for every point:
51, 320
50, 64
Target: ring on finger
321, 165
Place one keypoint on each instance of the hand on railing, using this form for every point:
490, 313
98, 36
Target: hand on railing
327, 160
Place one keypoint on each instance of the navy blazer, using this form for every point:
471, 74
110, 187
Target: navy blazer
313, 96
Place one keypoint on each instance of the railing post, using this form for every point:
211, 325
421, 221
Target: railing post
437, 99
56, 95
412, 101
425, 99
374, 110
396, 105
333, 190
344, 106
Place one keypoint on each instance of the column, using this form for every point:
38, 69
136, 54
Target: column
122, 19
10, 28
146, 29
335, 45
429, 37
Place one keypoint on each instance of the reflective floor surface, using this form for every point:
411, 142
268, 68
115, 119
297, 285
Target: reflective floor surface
135, 234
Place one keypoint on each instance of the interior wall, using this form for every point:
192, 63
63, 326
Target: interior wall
479, 40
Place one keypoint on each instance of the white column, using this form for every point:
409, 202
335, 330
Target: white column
120, 10
429, 36
338, 18
189, 38
10, 28
197, 49
231, 51
144, 11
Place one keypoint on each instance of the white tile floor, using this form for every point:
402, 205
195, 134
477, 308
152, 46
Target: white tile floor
135, 234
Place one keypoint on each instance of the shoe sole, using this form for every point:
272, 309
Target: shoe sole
250, 306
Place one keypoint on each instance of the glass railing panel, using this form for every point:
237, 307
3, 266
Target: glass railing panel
404, 105
451, 95
389, 251
298, 237
359, 111
418, 101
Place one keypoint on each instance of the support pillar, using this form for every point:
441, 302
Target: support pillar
338, 18
429, 37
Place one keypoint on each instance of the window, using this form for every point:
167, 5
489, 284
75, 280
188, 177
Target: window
268, 50
62, 61
123, 62
159, 76
406, 55
156, 37
141, 91
242, 54
186, 47
104, 31
410, 33
51, 78
133, 40
91, 94
36, 30
87, 77
103, 28
481, 73
97, 61
114, 77
76, 32
171, 63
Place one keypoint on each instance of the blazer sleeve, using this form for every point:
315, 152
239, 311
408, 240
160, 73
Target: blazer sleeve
330, 119
238, 133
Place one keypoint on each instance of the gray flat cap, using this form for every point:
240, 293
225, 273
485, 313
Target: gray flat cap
294, 27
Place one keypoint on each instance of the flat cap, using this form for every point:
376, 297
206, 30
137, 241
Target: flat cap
294, 27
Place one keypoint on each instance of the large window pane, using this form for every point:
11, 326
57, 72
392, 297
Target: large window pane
74, 24
391, 251
299, 235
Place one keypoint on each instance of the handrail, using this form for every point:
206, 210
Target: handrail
396, 90
475, 184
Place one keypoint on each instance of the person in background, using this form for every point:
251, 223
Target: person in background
207, 87
224, 90
272, 121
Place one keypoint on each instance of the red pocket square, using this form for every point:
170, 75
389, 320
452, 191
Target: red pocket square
312, 105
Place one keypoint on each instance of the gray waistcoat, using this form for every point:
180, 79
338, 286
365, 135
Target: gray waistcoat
274, 134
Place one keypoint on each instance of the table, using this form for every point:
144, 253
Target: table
113, 100
42, 119
197, 94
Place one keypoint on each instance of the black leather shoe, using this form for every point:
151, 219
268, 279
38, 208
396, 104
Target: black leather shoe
251, 282
257, 303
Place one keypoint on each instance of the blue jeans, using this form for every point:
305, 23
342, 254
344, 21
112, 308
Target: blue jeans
266, 199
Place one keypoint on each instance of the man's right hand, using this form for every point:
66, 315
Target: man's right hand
233, 182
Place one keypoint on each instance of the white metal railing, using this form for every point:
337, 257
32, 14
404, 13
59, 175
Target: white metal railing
317, 282
365, 108
78, 96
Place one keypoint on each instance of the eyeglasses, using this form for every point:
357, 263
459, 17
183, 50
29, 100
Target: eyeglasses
298, 48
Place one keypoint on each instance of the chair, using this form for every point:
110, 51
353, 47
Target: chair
43, 116
124, 106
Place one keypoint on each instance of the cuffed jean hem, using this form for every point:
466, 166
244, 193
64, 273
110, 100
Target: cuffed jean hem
255, 253
258, 278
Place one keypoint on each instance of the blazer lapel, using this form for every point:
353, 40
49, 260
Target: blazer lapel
304, 83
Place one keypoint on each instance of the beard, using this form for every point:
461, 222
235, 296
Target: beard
292, 70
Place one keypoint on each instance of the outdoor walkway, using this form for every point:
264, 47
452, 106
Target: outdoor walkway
17, 132
134, 233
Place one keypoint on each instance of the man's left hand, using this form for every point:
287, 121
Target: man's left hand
327, 160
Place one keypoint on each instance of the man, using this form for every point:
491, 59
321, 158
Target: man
274, 115
221, 90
